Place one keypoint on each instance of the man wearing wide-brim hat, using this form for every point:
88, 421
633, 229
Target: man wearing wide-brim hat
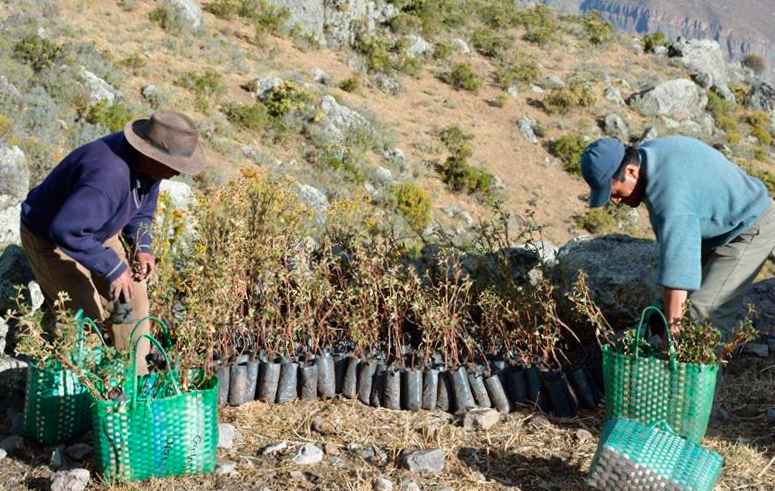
73, 222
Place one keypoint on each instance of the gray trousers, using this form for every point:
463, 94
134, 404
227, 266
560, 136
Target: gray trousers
730, 270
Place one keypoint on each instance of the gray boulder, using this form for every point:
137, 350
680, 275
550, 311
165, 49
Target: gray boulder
99, 90
762, 297
622, 274
614, 95
321, 76
553, 82
387, 84
14, 270
418, 47
262, 86
679, 98
762, 97
382, 176
14, 174
615, 126
423, 461
189, 9
312, 198
460, 46
308, 15
346, 20
339, 119
10, 219
704, 56
526, 124
72, 480
180, 193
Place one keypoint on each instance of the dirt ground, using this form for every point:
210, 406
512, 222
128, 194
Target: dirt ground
522, 452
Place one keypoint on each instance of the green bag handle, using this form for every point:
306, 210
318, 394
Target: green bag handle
133, 368
81, 320
152, 318
660, 422
671, 347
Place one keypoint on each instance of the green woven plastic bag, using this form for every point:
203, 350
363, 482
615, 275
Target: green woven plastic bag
634, 456
56, 403
650, 389
157, 431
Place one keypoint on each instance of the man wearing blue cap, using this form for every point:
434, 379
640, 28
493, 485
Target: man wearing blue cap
715, 224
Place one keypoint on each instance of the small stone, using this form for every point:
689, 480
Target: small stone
480, 419
336, 461
423, 461
446, 488
73, 480
227, 435
367, 454
353, 446
758, 349
539, 421
331, 449
460, 46
3, 454
583, 435
308, 454
321, 77
382, 484
512, 91
225, 467
57, 460
273, 448
298, 476
409, 485
770, 414
79, 451
537, 89
322, 426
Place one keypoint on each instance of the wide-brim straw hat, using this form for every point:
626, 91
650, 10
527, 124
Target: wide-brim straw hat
170, 138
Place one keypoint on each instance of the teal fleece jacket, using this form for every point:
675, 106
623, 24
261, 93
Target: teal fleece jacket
697, 201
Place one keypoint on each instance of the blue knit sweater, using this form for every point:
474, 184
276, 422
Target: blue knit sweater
697, 201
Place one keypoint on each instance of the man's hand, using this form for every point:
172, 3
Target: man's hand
123, 284
144, 266
674, 309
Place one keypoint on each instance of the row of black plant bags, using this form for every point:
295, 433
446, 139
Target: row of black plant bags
497, 385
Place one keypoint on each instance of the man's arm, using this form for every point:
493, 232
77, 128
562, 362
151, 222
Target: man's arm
674, 305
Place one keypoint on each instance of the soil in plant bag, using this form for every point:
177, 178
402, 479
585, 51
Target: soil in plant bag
536, 394
581, 387
378, 386
461, 391
287, 386
445, 401
411, 389
238, 385
252, 376
326, 375
224, 378
340, 367
554, 383
516, 384
393, 390
479, 391
365, 380
499, 367
268, 379
497, 394
350, 382
308, 381
430, 388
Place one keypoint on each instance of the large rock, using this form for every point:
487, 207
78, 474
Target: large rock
423, 461
189, 10
14, 174
338, 120
762, 297
73, 480
679, 98
14, 270
180, 193
308, 15
704, 57
622, 274
762, 97
526, 125
10, 219
99, 90
345, 20
312, 198
615, 126
418, 47
261, 87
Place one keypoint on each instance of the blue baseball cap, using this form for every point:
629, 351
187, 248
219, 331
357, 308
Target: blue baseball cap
599, 163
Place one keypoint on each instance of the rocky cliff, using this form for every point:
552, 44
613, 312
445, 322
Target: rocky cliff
740, 27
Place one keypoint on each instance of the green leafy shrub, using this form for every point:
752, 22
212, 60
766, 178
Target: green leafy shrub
413, 203
755, 62
168, 18
337, 156
759, 122
269, 19
409, 65
112, 116
37, 52
223, 9
717, 105
288, 97
540, 23
525, 71
377, 53
569, 148
498, 15
442, 51
459, 175
350, 84
597, 30
563, 100
597, 221
248, 116
463, 77
205, 87
405, 23
490, 43
652, 41
456, 140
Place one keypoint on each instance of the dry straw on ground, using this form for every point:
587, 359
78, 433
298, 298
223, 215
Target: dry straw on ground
519, 453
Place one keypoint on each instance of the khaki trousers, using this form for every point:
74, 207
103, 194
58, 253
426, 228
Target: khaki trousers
730, 270
57, 272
